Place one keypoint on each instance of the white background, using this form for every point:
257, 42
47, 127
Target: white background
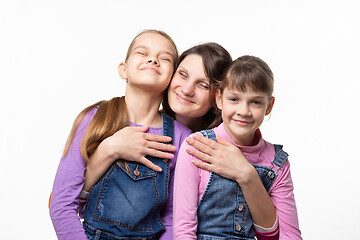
57, 57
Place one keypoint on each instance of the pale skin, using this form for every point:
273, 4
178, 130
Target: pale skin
222, 157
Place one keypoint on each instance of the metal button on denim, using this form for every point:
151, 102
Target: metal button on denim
165, 160
136, 172
238, 227
240, 208
271, 174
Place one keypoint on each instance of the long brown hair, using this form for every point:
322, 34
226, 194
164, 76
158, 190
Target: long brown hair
216, 60
111, 116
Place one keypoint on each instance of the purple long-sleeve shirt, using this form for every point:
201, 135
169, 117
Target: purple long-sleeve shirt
69, 182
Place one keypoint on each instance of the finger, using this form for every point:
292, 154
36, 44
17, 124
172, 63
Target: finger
157, 138
161, 146
159, 154
223, 141
199, 145
151, 165
140, 128
206, 141
202, 165
198, 154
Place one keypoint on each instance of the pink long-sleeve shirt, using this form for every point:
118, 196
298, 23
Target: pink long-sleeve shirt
191, 181
69, 181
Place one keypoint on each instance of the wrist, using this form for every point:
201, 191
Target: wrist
247, 176
109, 150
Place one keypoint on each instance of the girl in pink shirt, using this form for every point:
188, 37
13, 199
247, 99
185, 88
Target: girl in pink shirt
209, 206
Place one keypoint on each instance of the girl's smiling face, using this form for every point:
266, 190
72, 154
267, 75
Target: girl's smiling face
188, 93
243, 112
150, 63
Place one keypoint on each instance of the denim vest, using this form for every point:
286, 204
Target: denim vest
127, 201
222, 210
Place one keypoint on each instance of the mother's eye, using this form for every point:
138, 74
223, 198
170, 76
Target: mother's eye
203, 85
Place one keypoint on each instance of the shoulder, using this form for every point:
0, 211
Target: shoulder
85, 122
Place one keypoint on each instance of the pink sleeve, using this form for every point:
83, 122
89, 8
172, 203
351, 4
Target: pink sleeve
283, 198
67, 186
185, 196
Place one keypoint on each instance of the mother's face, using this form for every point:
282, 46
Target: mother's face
188, 93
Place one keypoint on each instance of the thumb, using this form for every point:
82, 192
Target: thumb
141, 128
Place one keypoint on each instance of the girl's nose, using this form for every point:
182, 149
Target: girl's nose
243, 110
152, 60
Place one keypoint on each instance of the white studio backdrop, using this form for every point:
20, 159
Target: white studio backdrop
57, 57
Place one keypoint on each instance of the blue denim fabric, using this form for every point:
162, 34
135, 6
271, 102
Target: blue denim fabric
127, 201
222, 210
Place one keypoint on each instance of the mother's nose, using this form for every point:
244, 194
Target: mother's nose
188, 89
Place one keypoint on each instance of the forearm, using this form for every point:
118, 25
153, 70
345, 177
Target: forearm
262, 209
98, 163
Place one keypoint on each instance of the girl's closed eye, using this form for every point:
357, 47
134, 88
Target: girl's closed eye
166, 58
142, 53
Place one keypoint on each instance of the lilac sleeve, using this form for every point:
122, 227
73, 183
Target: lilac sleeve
282, 195
67, 185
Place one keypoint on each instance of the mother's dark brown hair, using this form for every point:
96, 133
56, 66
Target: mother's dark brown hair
216, 60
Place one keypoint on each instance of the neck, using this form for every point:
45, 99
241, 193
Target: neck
195, 124
143, 107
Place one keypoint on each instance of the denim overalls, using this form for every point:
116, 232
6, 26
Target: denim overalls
127, 201
222, 210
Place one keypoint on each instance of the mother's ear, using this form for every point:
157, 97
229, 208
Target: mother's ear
270, 106
122, 70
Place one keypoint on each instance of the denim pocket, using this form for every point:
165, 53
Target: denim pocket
127, 197
136, 171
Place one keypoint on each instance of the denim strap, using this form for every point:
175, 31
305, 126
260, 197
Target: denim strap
209, 134
168, 126
280, 155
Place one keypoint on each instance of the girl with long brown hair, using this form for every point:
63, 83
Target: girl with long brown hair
131, 200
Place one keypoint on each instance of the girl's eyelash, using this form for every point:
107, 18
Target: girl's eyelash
256, 102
